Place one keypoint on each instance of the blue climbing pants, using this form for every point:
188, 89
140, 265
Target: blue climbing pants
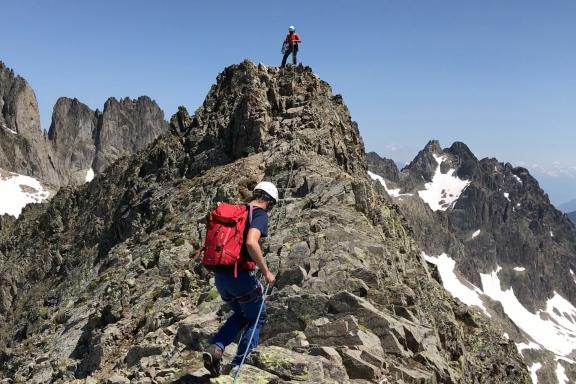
243, 295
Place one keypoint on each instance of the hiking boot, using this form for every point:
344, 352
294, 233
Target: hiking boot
229, 369
212, 357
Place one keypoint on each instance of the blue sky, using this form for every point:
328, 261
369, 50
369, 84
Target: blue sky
499, 75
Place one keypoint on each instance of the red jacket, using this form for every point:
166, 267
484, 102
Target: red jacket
292, 38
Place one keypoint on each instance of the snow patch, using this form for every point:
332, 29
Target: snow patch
451, 282
563, 313
506, 336
530, 345
391, 192
444, 189
476, 233
561, 374
533, 369
89, 175
553, 328
17, 190
517, 179
573, 275
8, 129
507, 196
551, 234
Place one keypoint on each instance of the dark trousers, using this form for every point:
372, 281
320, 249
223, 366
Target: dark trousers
290, 50
244, 296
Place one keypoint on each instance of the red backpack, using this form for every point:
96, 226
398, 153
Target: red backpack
225, 236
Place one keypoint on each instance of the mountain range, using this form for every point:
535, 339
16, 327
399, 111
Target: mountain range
499, 243
79, 140
451, 270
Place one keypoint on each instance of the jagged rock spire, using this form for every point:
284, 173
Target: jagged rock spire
252, 108
78, 140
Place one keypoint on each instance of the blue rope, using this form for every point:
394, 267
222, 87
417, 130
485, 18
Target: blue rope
237, 375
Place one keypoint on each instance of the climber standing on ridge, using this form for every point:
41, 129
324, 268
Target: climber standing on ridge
232, 251
290, 46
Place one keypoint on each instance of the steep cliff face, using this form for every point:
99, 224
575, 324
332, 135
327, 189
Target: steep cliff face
126, 126
501, 231
79, 143
382, 166
102, 281
23, 145
73, 135
86, 142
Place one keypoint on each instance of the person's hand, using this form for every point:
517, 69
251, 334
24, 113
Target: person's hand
270, 278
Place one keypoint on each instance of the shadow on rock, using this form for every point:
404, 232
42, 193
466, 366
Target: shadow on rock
193, 379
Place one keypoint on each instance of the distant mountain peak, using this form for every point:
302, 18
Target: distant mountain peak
501, 234
462, 151
79, 140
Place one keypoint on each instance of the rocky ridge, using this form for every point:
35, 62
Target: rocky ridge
89, 141
101, 283
79, 142
24, 148
505, 203
502, 223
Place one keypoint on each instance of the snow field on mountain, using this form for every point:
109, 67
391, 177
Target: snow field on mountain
17, 190
533, 369
451, 282
444, 189
529, 345
561, 374
553, 328
391, 192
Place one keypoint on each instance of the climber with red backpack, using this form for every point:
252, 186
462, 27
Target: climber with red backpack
290, 46
232, 251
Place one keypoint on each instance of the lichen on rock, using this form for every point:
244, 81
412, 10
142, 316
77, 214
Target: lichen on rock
357, 304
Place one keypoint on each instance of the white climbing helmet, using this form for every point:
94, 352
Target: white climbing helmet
269, 188
291, 28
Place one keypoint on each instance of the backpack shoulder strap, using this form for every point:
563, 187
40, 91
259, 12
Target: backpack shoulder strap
249, 209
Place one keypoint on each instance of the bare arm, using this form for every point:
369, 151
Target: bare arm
255, 252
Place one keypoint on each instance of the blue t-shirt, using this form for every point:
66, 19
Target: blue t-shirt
259, 222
